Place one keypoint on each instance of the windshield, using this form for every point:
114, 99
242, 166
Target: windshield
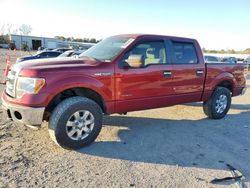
108, 49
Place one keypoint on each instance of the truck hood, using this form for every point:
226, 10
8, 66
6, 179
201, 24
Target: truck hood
54, 63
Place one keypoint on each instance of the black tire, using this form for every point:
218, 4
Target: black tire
61, 115
209, 107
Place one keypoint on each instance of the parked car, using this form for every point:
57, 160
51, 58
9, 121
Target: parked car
71, 53
62, 50
240, 59
211, 59
41, 55
42, 49
247, 61
229, 60
120, 74
86, 46
5, 46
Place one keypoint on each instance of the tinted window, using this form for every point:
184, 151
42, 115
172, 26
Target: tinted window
44, 54
184, 53
53, 54
211, 58
152, 52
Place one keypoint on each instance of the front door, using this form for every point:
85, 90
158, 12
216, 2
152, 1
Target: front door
148, 86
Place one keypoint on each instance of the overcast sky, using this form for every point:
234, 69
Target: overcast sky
216, 24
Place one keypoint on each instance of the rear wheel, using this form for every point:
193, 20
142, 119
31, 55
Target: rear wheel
218, 104
75, 122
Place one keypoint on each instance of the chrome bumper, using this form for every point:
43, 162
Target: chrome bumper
22, 114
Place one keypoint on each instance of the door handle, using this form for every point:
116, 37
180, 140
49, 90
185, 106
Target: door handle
199, 72
167, 74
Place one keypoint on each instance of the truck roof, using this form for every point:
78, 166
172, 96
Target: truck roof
138, 35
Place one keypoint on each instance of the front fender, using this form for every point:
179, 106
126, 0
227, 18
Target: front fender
55, 86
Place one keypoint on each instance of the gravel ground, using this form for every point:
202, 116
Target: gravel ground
168, 147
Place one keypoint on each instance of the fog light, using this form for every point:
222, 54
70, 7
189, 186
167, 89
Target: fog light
18, 115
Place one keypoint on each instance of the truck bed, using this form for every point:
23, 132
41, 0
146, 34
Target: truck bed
217, 72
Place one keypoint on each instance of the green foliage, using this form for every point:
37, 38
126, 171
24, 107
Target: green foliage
4, 39
229, 51
24, 47
60, 38
247, 51
72, 39
25, 29
92, 40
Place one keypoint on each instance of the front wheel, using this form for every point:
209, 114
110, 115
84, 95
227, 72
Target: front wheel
218, 104
75, 122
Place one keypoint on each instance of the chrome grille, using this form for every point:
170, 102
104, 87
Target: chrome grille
10, 83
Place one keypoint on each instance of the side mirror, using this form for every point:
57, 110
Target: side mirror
134, 61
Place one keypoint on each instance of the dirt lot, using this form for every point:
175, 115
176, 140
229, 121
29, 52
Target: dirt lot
169, 147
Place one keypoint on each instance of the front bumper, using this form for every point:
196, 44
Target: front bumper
22, 114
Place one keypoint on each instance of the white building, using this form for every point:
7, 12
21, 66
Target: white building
34, 42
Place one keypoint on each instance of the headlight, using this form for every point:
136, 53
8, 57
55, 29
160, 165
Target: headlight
28, 85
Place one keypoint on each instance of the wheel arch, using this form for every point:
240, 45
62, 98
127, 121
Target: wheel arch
71, 92
227, 84
224, 79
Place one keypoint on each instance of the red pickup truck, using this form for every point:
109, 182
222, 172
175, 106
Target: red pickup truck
120, 74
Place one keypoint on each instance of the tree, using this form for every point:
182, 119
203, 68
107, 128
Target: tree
72, 39
247, 51
15, 31
78, 40
25, 29
92, 40
60, 38
4, 39
2, 29
9, 29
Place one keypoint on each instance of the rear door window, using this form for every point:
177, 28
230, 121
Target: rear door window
184, 53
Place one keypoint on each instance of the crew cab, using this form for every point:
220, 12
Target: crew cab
120, 74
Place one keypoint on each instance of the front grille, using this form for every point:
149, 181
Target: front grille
10, 83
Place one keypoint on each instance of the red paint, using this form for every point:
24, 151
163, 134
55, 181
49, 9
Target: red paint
131, 89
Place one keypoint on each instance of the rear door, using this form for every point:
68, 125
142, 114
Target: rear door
188, 70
